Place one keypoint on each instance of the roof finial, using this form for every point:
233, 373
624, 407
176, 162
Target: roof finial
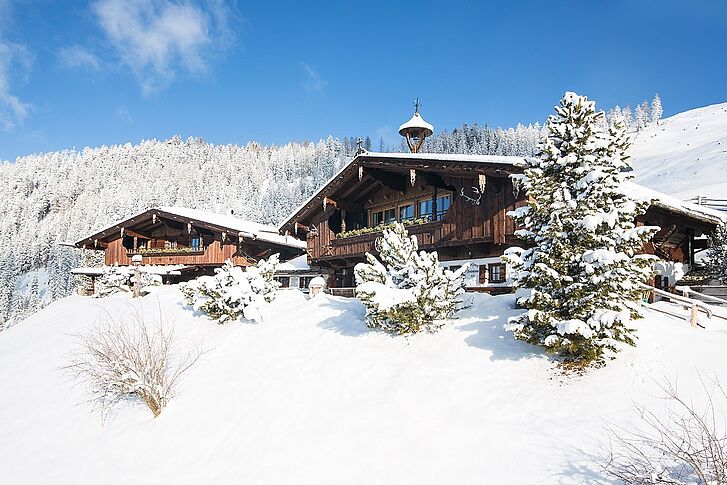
416, 129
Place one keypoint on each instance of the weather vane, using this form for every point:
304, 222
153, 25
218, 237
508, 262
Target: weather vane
417, 104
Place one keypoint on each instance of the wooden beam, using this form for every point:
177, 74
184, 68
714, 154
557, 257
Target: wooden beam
389, 179
328, 201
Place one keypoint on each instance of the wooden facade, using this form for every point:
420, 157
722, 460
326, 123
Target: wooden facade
189, 239
456, 207
342, 222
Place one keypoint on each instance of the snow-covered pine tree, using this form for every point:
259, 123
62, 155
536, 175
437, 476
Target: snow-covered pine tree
408, 292
233, 291
656, 109
581, 266
717, 253
642, 117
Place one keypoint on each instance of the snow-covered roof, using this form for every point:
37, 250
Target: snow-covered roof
241, 227
453, 157
299, 263
418, 123
659, 199
246, 229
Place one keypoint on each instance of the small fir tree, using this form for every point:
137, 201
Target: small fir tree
717, 253
581, 268
407, 291
656, 109
233, 291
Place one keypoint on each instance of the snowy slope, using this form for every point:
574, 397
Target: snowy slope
312, 396
684, 155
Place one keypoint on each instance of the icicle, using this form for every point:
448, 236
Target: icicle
224, 236
325, 201
95, 243
412, 176
154, 218
360, 172
189, 228
483, 181
122, 232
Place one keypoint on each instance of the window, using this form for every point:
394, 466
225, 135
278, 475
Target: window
305, 281
497, 273
195, 243
426, 208
390, 215
442, 206
383, 216
483, 274
406, 212
455, 267
377, 218
283, 280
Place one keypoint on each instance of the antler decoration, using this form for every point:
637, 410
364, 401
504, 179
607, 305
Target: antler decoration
473, 200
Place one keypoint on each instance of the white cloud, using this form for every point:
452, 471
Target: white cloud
16, 60
312, 82
157, 38
76, 56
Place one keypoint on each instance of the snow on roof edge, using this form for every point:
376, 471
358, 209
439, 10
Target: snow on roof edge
254, 230
667, 201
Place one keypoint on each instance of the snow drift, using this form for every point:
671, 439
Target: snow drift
313, 396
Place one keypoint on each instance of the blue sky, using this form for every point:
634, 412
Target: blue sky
75, 74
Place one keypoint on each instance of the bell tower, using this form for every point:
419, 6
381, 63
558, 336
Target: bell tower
416, 130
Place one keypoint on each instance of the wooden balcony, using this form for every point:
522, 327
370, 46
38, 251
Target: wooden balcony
180, 251
359, 245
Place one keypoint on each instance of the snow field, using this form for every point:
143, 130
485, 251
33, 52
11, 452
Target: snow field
310, 395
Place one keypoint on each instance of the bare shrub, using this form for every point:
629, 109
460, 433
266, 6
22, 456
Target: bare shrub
685, 445
130, 358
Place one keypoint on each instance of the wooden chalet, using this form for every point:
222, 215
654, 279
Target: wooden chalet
190, 241
454, 204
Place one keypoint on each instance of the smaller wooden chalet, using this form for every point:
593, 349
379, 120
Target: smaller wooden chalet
189, 242
455, 204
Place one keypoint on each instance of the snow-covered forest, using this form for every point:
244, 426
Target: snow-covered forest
52, 198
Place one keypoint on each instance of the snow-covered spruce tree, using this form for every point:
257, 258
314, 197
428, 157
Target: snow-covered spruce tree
717, 253
581, 265
233, 291
407, 291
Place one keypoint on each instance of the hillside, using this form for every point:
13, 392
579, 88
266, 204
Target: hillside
684, 155
319, 398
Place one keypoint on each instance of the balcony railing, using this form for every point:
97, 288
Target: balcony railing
178, 251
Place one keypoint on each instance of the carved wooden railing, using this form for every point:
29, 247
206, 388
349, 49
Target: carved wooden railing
181, 251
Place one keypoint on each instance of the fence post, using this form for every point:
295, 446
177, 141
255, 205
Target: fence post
693, 315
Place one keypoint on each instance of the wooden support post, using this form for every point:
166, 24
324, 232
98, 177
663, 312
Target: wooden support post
343, 220
693, 315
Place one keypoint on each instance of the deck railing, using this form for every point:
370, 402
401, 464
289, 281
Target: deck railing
717, 204
180, 251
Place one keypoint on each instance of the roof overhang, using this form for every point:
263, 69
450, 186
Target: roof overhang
113, 231
449, 164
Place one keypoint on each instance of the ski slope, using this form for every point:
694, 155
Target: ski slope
684, 155
311, 396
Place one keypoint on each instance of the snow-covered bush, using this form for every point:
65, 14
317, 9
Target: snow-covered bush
717, 253
685, 445
119, 279
407, 291
581, 263
233, 291
130, 359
